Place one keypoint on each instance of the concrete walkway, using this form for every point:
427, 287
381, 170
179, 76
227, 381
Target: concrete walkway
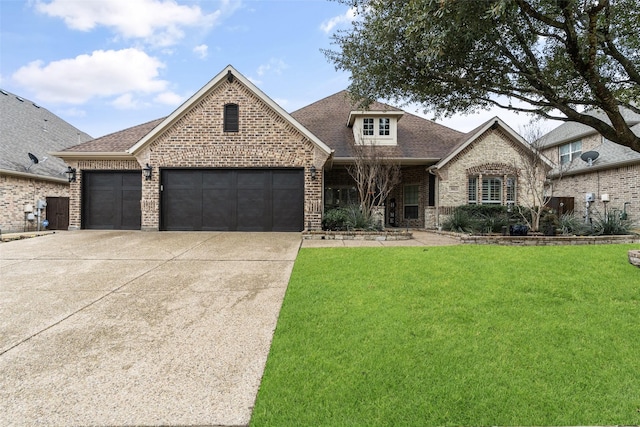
134, 328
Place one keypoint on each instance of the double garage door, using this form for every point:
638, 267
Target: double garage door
200, 199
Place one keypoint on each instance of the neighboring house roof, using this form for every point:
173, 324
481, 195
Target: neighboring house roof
26, 127
467, 139
610, 155
418, 138
572, 131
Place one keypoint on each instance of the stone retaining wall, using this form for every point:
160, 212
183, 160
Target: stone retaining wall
634, 257
357, 235
547, 240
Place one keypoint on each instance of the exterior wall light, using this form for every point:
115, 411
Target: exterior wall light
147, 172
314, 172
71, 174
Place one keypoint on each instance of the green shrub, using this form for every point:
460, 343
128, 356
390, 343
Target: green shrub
610, 224
345, 218
570, 224
460, 221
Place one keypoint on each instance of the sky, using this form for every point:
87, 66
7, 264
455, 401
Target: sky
106, 65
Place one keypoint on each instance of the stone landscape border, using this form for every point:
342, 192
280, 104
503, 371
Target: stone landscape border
358, 235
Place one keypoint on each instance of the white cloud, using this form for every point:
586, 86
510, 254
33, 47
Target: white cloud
201, 51
126, 102
348, 17
274, 66
169, 98
158, 22
100, 74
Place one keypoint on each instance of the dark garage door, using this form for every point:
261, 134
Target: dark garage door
111, 200
232, 199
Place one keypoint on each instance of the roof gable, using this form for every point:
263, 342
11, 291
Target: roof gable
228, 73
494, 123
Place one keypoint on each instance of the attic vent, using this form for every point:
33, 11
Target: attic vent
4, 92
19, 99
35, 105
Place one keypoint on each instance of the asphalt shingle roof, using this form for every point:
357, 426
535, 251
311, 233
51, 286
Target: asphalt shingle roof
572, 131
117, 142
610, 155
417, 137
26, 127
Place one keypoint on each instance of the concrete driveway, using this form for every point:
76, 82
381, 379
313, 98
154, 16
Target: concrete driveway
134, 328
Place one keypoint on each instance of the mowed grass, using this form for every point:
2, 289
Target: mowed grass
463, 335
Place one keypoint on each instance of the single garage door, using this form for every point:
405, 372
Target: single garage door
111, 200
232, 199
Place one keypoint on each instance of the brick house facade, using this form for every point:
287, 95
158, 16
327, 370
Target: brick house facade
194, 141
204, 157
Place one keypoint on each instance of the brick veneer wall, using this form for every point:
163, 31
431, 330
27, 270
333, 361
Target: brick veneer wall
197, 140
493, 153
15, 192
622, 184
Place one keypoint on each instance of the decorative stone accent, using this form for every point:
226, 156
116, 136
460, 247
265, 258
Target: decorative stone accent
634, 257
357, 235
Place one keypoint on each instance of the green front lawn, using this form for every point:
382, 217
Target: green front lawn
462, 335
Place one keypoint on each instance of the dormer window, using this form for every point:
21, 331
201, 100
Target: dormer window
375, 127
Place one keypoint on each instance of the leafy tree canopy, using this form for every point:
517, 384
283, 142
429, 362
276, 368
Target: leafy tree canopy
535, 56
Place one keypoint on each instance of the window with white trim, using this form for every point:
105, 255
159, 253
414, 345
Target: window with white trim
411, 201
367, 126
473, 190
493, 190
570, 151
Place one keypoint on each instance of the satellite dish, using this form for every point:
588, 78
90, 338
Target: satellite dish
589, 157
33, 158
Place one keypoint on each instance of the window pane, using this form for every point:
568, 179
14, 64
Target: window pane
511, 190
383, 127
491, 190
473, 190
410, 194
367, 128
411, 212
411, 201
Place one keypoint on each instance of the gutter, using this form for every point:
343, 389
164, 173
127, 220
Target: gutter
93, 155
595, 168
33, 176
